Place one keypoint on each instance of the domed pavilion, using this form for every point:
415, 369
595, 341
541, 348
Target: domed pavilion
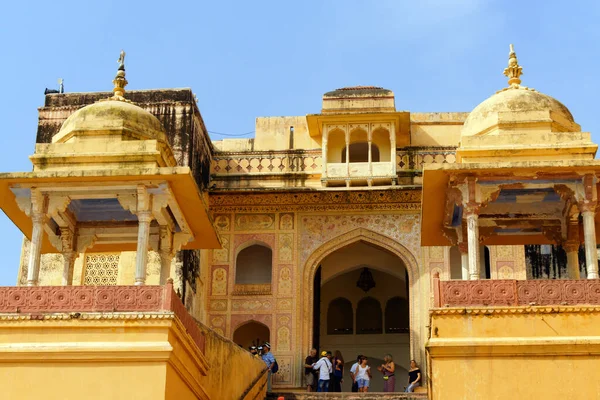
525, 174
108, 181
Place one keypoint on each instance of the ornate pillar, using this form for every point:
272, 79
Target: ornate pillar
324, 154
347, 136
472, 215
69, 255
370, 141
464, 260
393, 149
587, 201
588, 212
166, 254
572, 250
38, 217
144, 216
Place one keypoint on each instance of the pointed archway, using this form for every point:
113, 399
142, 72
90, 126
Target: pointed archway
305, 318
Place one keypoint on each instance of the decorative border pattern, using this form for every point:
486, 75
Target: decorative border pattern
508, 292
80, 298
362, 197
514, 310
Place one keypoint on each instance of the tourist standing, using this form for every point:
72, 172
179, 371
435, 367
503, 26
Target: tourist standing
353, 371
269, 360
338, 372
388, 369
363, 375
414, 377
324, 368
310, 375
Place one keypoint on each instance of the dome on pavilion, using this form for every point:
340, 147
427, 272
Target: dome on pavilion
517, 108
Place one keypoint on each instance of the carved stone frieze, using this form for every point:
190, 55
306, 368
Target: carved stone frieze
519, 292
81, 298
316, 197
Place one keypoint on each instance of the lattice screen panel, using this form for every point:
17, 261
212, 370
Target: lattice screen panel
101, 269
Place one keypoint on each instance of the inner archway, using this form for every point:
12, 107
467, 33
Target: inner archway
251, 333
371, 322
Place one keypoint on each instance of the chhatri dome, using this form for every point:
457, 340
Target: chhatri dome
112, 133
113, 114
519, 120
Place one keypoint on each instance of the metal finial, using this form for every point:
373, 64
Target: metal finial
120, 82
514, 71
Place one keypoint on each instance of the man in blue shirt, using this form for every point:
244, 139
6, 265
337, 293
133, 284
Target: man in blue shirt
269, 359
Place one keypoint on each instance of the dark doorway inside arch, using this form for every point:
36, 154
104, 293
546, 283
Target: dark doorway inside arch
317, 308
251, 334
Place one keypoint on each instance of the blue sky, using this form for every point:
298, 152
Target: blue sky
245, 59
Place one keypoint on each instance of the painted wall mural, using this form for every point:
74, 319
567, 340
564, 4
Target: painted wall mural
219, 280
318, 229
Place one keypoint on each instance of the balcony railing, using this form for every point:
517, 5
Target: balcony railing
359, 169
40, 300
510, 292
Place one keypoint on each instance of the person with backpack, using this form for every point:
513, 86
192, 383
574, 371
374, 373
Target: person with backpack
271, 363
325, 369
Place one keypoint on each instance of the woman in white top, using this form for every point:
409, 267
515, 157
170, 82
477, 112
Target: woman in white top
363, 375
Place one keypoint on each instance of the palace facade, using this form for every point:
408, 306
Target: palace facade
333, 229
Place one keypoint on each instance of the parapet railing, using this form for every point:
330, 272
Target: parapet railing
512, 292
231, 163
36, 300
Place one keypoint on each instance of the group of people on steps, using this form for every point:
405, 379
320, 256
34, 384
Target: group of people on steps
326, 374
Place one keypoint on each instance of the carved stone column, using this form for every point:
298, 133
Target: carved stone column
38, 217
572, 250
472, 216
69, 255
166, 254
144, 216
393, 149
464, 260
588, 212
324, 155
370, 149
347, 136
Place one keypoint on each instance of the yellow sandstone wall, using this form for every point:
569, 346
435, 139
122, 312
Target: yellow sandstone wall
550, 352
121, 356
232, 369
118, 356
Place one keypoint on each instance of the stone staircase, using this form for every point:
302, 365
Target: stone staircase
299, 395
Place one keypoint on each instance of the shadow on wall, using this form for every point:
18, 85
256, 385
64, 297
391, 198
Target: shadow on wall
232, 370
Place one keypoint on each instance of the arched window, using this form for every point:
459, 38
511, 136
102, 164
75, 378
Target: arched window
381, 140
340, 320
251, 333
359, 152
369, 318
254, 265
397, 315
336, 146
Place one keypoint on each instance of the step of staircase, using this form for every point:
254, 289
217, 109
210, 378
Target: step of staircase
297, 395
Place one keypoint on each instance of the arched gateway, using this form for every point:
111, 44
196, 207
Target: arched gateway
305, 318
